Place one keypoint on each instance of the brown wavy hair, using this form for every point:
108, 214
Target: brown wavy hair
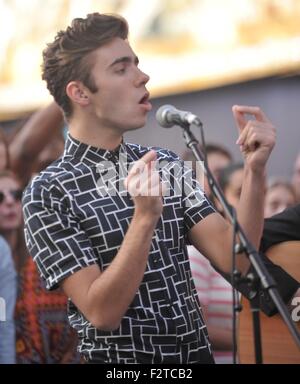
69, 57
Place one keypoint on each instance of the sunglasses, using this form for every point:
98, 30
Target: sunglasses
15, 193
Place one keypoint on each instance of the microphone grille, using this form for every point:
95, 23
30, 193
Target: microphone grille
162, 115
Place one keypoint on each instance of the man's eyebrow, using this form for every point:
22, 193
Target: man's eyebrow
125, 59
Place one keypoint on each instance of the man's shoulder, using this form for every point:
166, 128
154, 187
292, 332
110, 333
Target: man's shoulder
56, 174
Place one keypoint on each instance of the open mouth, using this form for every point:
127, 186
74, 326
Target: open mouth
144, 99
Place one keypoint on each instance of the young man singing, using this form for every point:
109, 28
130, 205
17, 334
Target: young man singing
120, 253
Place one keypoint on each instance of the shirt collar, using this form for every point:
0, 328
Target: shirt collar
82, 151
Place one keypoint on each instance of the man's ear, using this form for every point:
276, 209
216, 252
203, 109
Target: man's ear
77, 93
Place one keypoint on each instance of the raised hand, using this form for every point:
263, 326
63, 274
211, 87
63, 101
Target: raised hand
144, 185
256, 137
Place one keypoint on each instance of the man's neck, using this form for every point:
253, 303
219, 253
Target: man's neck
93, 134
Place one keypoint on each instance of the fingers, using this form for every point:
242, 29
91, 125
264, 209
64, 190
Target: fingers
256, 134
150, 181
252, 141
144, 184
143, 178
141, 163
248, 129
239, 118
240, 112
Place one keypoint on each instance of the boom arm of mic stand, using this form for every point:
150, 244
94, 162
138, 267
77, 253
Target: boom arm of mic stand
265, 278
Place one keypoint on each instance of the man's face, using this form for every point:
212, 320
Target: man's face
121, 102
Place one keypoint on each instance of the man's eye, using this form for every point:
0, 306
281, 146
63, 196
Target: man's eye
121, 70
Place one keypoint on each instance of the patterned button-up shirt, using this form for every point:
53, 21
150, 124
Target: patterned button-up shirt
77, 212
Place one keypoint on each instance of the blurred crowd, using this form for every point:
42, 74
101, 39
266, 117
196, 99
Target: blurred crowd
36, 328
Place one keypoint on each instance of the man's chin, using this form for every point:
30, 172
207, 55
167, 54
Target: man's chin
134, 127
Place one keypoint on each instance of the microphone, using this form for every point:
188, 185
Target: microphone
167, 116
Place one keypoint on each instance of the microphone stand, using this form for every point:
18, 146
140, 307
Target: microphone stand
265, 279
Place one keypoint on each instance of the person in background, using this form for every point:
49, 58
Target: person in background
8, 293
215, 293
8, 281
4, 154
230, 182
279, 196
43, 334
38, 143
218, 157
296, 177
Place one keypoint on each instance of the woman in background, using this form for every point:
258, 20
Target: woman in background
280, 195
8, 283
42, 330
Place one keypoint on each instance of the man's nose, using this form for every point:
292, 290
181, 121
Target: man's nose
143, 78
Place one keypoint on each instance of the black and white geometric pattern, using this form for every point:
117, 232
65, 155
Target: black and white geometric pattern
77, 213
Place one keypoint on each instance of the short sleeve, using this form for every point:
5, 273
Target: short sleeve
53, 234
196, 204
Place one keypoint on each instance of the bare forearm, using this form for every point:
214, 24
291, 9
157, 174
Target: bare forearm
35, 135
251, 206
221, 338
114, 290
250, 211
